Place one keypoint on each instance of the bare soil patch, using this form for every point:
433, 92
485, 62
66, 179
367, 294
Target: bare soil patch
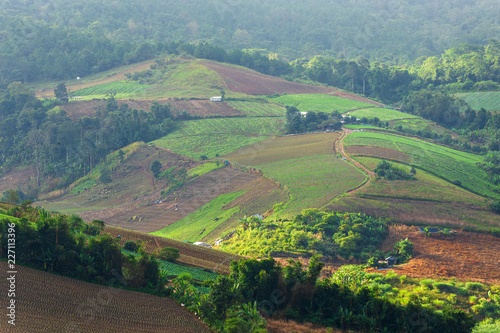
205, 108
378, 152
17, 179
464, 255
145, 215
250, 82
51, 303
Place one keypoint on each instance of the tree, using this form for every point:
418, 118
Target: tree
105, 176
61, 92
11, 196
155, 168
169, 254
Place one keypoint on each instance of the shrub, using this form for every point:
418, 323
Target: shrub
169, 254
130, 246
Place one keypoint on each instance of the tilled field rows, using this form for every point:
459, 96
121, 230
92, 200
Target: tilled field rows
51, 303
191, 255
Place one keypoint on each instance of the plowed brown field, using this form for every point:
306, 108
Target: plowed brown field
191, 255
378, 152
247, 81
464, 255
51, 303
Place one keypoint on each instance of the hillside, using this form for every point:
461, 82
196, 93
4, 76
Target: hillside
91, 307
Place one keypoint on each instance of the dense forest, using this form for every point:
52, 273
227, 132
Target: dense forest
389, 31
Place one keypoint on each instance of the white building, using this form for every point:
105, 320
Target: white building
216, 99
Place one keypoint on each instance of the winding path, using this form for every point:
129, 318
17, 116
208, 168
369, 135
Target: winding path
339, 147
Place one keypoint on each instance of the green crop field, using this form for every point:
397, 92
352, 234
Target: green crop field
305, 164
490, 101
381, 113
200, 223
220, 136
447, 163
203, 169
319, 103
420, 124
256, 109
313, 181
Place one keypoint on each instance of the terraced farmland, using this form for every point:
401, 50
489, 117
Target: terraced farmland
452, 165
306, 165
256, 109
490, 101
380, 113
320, 103
211, 137
51, 303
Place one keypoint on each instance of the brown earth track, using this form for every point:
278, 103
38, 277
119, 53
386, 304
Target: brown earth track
189, 198
51, 303
378, 152
464, 255
339, 147
250, 82
203, 108
191, 255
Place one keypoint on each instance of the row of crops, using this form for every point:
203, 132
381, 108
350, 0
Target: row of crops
255, 109
220, 136
320, 103
488, 100
267, 126
453, 165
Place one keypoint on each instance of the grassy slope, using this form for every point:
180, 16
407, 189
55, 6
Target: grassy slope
319, 103
200, 223
447, 163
